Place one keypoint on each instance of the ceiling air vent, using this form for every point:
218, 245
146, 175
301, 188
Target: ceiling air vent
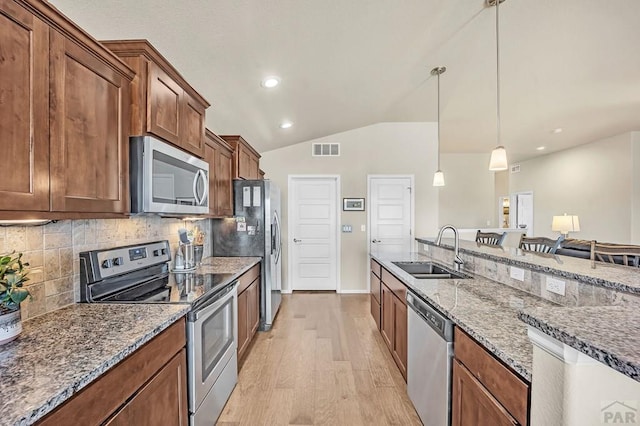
325, 150
515, 168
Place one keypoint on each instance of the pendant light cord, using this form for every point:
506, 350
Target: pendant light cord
498, 71
439, 119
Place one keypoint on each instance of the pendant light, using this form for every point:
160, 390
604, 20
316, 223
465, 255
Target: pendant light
438, 176
498, 160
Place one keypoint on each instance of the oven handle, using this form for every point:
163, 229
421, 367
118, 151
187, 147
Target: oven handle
214, 303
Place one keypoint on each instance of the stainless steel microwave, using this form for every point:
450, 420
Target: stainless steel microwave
166, 180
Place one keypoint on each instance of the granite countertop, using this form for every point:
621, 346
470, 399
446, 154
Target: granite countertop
61, 352
484, 309
609, 334
617, 277
227, 265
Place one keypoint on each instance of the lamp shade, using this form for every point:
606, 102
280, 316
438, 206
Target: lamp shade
498, 160
565, 224
438, 178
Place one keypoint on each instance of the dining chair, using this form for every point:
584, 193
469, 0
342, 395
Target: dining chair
621, 254
540, 244
490, 238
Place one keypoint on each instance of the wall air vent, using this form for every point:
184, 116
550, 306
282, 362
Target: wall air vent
325, 150
515, 168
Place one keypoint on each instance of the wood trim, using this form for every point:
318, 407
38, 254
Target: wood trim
215, 139
95, 403
142, 47
511, 391
58, 21
234, 140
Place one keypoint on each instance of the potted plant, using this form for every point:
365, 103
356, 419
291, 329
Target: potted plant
13, 274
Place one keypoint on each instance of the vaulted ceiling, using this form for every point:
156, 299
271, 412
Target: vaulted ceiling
343, 64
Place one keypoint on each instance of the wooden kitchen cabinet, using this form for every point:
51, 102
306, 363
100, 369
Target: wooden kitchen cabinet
24, 109
219, 156
162, 102
63, 97
149, 387
246, 160
375, 284
89, 142
248, 308
394, 327
484, 390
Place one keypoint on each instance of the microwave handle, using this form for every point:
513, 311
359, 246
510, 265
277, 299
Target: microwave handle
200, 175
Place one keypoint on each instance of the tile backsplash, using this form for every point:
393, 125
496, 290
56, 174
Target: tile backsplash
52, 251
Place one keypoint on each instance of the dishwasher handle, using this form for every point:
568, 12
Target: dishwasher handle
434, 319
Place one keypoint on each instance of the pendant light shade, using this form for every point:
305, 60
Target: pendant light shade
498, 161
438, 176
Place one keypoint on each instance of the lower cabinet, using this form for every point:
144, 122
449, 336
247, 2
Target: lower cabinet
394, 327
149, 387
484, 390
248, 308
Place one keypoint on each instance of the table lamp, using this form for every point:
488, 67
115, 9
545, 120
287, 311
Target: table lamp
565, 224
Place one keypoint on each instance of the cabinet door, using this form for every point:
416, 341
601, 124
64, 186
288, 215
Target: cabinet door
224, 183
89, 137
243, 322
375, 310
400, 335
163, 401
254, 167
375, 286
164, 105
192, 130
244, 163
472, 404
24, 109
387, 316
254, 308
210, 155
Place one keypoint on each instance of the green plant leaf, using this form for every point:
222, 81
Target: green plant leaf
18, 295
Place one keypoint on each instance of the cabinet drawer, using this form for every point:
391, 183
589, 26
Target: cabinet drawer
395, 285
375, 311
376, 268
505, 386
248, 277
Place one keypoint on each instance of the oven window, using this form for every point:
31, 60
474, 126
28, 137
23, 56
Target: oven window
217, 337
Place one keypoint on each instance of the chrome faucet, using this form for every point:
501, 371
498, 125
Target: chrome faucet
457, 260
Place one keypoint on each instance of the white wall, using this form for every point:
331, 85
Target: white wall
467, 200
384, 148
593, 181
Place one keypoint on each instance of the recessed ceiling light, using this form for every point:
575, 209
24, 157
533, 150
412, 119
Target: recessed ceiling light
558, 130
286, 124
540, 148
270, 82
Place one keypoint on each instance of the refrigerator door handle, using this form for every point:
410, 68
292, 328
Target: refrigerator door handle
278, 237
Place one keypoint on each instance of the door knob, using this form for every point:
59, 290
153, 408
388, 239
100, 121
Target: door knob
295, 240
376, 241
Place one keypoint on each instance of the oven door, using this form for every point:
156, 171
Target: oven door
212, 337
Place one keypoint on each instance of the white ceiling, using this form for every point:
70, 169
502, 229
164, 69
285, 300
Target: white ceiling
349, 63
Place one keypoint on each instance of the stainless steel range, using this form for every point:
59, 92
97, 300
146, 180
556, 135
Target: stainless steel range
140, 274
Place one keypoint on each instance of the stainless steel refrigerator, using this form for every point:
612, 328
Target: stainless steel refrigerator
255, 231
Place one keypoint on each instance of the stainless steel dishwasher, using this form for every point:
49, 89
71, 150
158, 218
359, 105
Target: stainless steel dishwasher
430, 347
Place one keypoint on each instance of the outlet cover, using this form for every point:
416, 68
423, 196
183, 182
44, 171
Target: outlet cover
425, 247
346, 228
516, 273
555, 285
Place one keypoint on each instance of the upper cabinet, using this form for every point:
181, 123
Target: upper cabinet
219, 155
162, 102
64, 100
246, 160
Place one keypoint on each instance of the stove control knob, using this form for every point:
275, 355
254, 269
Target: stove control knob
117, 261
156, 253
163, 251
107, 263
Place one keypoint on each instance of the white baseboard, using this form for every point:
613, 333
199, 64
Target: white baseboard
286, 291
356, 291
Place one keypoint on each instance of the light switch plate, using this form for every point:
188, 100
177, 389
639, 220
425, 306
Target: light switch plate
555, 285
516, 273
363, 228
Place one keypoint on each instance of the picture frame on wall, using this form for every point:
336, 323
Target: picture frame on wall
353, 204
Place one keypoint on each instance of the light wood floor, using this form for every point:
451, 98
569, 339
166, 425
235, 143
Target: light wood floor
323, 362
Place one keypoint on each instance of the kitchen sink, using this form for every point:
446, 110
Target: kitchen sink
428, 270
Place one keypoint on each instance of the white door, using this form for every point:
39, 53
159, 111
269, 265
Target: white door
390, 213
524, 211
313, 230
